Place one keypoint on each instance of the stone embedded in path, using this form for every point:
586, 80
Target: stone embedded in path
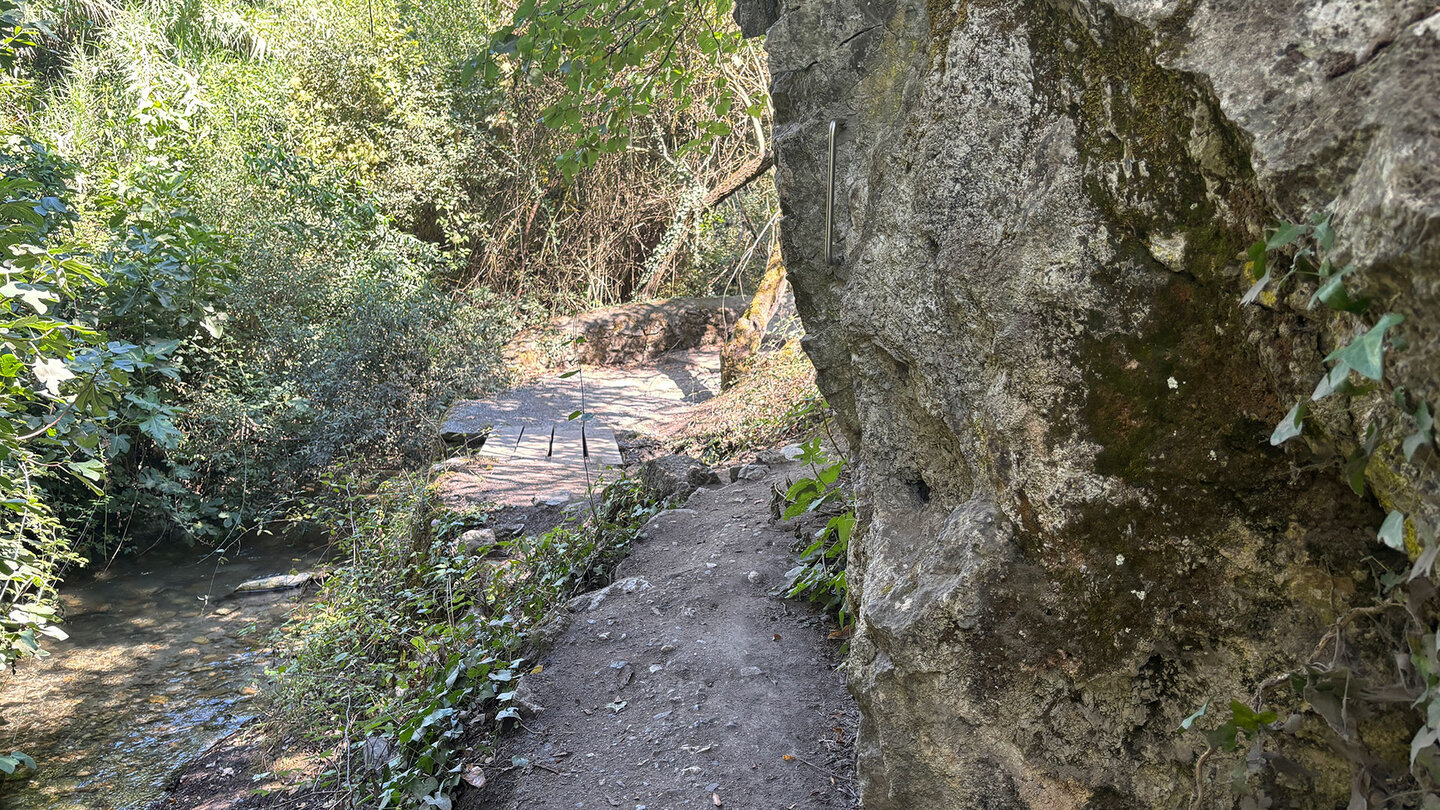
586, 602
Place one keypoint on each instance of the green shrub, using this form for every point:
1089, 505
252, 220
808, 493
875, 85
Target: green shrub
420, 645
820, 576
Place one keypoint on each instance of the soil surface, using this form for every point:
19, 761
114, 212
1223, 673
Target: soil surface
687, 682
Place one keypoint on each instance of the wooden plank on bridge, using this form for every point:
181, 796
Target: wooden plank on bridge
500, 444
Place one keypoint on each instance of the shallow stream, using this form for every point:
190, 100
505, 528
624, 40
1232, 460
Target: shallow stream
161, 662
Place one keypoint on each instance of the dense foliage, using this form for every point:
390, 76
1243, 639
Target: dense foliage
249, 242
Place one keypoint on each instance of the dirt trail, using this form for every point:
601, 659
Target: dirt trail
686, 683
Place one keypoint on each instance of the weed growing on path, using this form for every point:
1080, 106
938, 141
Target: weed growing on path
820, 576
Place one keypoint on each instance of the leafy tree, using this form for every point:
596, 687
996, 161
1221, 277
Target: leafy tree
617, 60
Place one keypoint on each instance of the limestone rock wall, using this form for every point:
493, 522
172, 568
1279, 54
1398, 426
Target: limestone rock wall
1075, 529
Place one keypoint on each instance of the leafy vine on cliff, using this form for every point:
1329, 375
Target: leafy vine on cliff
1335, 689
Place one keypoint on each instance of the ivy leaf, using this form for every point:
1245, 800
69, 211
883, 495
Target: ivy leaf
1355, 466
1331, 382
1195, 715
1424, 432
1392, 531
1423, 739
1426, 560
1324, 234
1245, 717
1285, 234
1366, 354
1291, 425
1334, 295
1223, 737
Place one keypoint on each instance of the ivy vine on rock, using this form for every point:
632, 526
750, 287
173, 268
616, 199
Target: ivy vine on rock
1339, 693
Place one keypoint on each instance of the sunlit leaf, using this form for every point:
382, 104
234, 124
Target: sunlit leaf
1392, 531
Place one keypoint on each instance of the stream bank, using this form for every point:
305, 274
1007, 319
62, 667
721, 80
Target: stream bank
161, 661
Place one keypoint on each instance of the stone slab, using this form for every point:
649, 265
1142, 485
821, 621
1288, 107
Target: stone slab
534, 443
501, 442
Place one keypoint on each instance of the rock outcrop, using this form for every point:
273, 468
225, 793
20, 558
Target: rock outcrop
626, 334
1075, 530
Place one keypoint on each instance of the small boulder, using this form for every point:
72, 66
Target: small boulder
473, 542
524, 700
753, 472
674, 475
509, 531
586, 602
780, 455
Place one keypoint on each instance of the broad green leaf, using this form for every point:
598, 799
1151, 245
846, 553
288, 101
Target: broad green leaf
1324, 234
1424, 738
1285, 234
1333, 294
90, 469
1333, 381
1292, 425
1355, 466
1366, 354
1424, 434
1224, 737
1392, 531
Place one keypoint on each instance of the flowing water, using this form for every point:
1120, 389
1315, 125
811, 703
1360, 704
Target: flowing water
161, 662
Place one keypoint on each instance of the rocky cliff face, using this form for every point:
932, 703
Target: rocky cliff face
1076, 531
